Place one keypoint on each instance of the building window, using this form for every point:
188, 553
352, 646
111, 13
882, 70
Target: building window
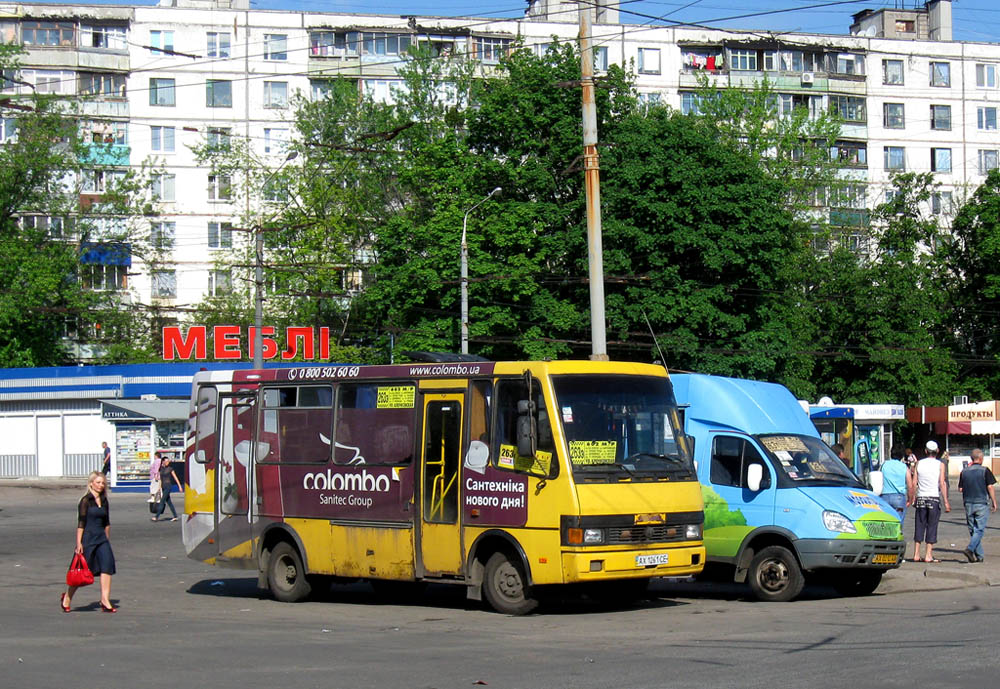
895, 158
892, 116
743, 60
986, 118
987, 161
161, 234
218, 93
941, 202
905, 26
161, 42
218, 138
161, 139
847, 63
649, 100
849, 108
100, 181
940, 160
49, 80
601, 58
690, 103
51, 226
8, 129
219, 188
649, 60
275, 46
275, 94
98, 277
320, 88
105, 37
321, 44
381, 43
218, 44
110, 85
219, 283
850, 153
164, 284
275, 140
941, 117
490, 49
986, 76
220, 235
940, 74
163, 187
48, 34
892, 72
161, 92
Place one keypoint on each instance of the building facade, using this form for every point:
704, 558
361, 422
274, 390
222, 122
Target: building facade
160, 81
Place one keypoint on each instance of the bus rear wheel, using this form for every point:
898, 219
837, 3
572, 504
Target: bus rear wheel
286, 577
775, 575
505, 586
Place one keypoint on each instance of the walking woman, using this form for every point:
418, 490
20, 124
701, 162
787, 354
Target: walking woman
168, 479
93, 533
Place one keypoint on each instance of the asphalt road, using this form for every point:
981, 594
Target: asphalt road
181, 623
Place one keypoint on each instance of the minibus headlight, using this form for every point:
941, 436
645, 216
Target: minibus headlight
835, 521
692, 532
593, 536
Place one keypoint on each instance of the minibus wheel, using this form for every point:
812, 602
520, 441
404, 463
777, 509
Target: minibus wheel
775, 575
286, 577
505, 586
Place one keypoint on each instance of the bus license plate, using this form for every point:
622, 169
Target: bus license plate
650, 560
884, 559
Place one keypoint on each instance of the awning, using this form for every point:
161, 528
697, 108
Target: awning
145, 410
967, 427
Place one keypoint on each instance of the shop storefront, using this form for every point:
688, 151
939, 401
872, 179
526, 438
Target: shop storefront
144, 429
961, 428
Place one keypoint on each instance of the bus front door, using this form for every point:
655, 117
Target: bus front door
233, 507
440, 535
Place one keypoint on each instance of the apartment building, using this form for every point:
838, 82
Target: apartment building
158, 81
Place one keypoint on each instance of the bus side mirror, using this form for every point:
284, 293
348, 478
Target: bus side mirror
527, 429
755, 474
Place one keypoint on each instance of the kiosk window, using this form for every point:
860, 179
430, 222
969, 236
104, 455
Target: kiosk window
374, 423
731, 457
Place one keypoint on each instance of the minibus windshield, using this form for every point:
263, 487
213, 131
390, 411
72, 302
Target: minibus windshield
621, 428
806, 459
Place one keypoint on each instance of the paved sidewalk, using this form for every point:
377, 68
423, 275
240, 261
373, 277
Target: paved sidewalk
953, 571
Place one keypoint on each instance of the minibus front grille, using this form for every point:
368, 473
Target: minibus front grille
659, 533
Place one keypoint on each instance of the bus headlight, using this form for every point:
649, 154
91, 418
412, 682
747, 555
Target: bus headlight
835, 521
593, 536
692, 532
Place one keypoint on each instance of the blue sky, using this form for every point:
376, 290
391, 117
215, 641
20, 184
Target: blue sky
974, 20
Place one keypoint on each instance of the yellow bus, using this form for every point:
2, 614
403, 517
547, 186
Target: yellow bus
503, 477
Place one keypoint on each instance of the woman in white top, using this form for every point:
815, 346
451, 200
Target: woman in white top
929, 489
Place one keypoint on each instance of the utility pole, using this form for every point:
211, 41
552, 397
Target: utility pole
592, 180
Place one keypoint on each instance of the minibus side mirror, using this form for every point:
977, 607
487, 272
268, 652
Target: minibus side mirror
875, 479
527, 429
755, 474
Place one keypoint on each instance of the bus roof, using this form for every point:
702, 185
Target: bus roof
750, 406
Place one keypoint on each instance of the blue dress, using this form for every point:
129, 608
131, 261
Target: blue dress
96, 547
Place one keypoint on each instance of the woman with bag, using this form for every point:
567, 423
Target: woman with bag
93, 532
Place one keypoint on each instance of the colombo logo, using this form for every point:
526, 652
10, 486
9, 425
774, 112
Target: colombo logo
364, 482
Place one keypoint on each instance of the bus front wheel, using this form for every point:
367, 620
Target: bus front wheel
775, 575
286, 576
505, 586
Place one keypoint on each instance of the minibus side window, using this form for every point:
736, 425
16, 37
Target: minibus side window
297, 422
374, 423
731, 458
208, 399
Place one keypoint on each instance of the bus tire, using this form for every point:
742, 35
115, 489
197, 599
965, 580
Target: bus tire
505, 586
775, 575
861, 583
286, 577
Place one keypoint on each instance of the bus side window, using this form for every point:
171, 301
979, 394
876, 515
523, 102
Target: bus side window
374, 423
208, 399
509, 393
297, 423
480, 406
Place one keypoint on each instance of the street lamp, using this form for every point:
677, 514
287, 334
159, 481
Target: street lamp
258, 315
465, 272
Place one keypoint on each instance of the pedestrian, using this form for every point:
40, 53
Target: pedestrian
979, 495
895, 483
93, 539
106, 467
838, 450
930, 492
168, 478
909, 458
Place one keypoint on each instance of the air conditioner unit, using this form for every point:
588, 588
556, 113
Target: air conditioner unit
960, 399
808, 77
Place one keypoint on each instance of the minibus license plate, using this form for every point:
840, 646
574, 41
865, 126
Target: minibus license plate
647, 560
884, 559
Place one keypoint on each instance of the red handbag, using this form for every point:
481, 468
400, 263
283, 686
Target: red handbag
79, 573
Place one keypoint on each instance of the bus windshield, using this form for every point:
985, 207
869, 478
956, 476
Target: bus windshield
621, 428
805, 459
